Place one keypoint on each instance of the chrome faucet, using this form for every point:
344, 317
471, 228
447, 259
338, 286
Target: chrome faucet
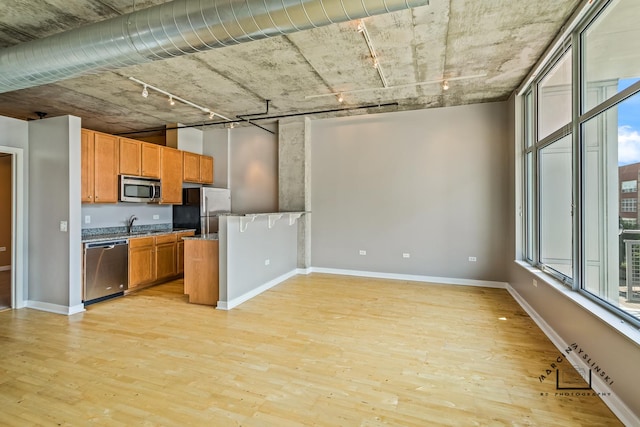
130, 223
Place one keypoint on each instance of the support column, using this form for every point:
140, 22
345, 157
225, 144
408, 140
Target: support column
294, 178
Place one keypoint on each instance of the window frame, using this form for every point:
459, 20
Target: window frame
574, 41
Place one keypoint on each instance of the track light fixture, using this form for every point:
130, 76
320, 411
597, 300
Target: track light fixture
362, 29
340, 98
173, 98
445, 85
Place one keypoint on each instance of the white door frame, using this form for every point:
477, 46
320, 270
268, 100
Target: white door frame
18, 218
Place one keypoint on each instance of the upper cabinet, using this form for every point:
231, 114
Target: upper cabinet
139, 158
170, 176
99, 174
206, 169
105, 156
130, 157
150, 160
87, 162
197, 168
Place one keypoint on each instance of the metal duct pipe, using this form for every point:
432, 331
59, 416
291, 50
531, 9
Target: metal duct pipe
172, 29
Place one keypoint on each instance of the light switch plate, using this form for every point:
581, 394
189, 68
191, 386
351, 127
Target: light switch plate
87, 219
63, 226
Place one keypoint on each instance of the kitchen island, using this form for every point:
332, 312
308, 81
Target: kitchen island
250, 254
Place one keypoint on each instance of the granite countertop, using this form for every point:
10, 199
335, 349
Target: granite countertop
125, 235
210, 236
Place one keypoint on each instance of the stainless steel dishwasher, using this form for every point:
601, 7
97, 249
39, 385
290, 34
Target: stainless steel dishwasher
106, 267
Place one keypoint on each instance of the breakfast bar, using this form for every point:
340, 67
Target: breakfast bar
250, 254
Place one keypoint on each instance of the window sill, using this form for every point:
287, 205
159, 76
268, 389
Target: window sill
614, 321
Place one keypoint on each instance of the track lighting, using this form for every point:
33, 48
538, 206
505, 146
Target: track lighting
362, 29
443, 82
173, 98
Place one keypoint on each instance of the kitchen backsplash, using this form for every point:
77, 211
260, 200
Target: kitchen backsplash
102, 216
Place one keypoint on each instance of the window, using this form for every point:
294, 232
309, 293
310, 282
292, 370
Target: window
555, 188
629, 186
581, 168
628, 205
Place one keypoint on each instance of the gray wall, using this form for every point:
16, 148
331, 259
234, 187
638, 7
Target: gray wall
251, 167
55, 258
431, 183
243, 255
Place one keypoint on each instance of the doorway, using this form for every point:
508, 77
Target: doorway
6, 229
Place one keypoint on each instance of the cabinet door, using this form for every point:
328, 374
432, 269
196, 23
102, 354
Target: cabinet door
86, 154
141, 266
206, 169
165, 260
180, 257
129, 157
180, 250
150, 160
171, 176
191, 166
106, 168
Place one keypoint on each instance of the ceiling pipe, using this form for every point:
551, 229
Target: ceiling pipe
173, 29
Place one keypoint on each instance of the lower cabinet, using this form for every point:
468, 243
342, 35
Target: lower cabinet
180, 249
156, 258
166, 261
142, 261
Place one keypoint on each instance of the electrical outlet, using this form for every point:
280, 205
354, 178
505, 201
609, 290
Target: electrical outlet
267, 261
363, 252
63, 226
87, 219
406, 255
3, 249
535, 283
156, 216
472, 259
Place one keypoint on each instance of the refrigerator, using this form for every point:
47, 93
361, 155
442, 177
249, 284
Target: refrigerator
201, 208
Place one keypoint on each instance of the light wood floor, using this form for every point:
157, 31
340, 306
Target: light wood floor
317, 350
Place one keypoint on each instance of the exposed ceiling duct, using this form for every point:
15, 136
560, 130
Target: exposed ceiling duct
172, 29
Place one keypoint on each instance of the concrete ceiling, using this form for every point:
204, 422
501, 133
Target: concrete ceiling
496, 41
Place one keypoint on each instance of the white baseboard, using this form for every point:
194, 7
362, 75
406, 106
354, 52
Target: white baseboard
5, 267
617, 406
55, 308
410, 277
228, 305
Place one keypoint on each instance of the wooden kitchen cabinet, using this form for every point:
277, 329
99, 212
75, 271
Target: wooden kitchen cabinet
171, 176
130, 157
99, 167
206, 169
180, 250
106, 151
87, 162
166, 263
191, 167
150, 154
142, 261
201, 269
197, 168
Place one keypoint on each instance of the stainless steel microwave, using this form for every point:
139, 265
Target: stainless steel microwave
141, 190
